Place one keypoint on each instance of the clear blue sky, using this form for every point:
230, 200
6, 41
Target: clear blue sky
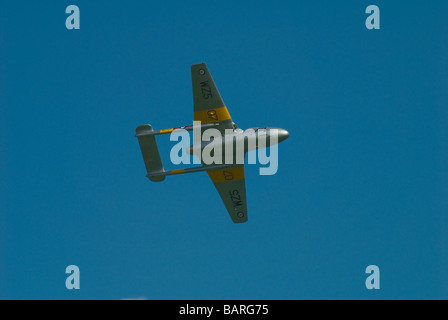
362, 178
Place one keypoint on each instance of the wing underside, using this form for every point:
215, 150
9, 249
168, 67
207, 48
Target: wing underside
208, 104
231, 186
209, 108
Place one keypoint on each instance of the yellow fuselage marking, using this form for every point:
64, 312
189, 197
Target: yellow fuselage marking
178, 171
166, 131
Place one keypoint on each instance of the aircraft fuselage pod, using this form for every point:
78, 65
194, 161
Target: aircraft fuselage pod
241, 141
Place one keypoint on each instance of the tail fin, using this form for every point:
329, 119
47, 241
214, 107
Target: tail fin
150, 152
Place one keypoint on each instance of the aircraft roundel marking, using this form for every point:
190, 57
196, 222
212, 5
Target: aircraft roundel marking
240, 214
201, 72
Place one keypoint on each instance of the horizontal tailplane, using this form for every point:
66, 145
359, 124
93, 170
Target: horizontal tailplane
150, 152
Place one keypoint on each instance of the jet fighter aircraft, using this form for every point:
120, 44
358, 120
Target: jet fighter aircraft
211, 111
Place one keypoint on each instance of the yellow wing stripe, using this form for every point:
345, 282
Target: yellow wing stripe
212, 115
226, 175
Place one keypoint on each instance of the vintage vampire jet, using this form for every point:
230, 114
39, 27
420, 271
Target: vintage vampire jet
210, 110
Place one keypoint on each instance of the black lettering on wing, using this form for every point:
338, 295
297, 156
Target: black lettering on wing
206, 90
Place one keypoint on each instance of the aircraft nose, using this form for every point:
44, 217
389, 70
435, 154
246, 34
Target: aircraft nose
283, 135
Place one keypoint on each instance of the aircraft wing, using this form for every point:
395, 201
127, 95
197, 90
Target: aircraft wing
210, 109
208, 104
231, 186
